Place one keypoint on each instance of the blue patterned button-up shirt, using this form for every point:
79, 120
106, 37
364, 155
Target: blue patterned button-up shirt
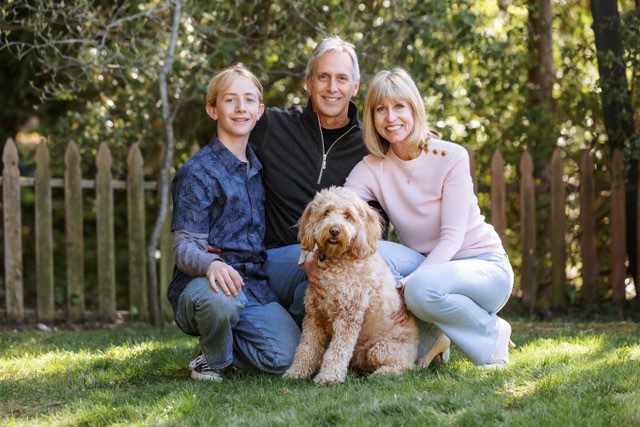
217, 194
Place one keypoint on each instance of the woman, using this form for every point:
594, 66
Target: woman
424, 184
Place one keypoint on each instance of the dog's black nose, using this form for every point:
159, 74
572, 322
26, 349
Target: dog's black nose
334, 231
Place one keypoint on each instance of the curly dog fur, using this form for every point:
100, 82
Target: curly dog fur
348, 321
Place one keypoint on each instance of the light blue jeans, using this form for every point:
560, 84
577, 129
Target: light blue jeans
470, 290
462, 298
238, 330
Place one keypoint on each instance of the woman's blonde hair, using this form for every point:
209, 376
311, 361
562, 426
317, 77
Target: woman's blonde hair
222, 80
395, 85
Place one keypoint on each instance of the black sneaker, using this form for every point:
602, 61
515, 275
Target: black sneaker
200, 370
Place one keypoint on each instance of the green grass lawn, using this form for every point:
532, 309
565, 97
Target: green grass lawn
561, 374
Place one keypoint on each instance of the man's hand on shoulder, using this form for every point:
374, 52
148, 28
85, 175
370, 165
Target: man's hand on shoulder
221, 274
310, 266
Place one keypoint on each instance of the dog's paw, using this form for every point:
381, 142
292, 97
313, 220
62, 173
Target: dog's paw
295, 373
328, 378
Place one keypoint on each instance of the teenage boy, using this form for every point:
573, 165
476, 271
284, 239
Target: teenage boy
218, 201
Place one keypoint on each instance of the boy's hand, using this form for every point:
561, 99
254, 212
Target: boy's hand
225, 276
310, 266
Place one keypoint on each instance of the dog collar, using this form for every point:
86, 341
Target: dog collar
321, 256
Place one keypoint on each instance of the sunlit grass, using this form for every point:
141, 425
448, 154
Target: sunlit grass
560, 374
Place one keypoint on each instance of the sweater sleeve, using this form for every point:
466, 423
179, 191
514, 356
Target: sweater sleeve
193, 192
360, 181
190, 253
457, 191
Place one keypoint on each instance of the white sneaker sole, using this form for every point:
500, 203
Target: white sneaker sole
206, 377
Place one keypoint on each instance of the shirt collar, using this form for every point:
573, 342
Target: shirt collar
230, 161
352, 113
256, 166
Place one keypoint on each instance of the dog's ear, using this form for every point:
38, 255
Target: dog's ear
306, 229
374, 228
371, 230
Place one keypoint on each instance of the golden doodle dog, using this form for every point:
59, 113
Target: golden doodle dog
348, 321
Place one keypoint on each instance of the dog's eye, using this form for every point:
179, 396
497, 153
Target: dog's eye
347, 215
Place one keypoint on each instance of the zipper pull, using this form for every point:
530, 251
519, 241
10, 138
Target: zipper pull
324, 166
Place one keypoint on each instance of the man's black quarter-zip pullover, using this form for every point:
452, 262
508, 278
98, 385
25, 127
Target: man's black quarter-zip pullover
296, 165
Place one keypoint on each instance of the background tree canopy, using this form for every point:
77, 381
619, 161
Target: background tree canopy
89, 72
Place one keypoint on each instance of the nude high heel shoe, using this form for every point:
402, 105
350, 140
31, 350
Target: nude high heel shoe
500, 357
440, 349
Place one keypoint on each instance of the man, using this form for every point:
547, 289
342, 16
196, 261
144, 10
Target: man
304, 149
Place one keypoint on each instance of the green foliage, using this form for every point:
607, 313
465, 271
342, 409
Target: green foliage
561, 374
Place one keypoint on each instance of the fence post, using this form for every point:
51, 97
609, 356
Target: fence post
498, 196
44, 235
75, 240
137, 244
472, 170
14, 294
618, 228
558, 232
588, 232
166, 267
106, 248
166, 261
528, 231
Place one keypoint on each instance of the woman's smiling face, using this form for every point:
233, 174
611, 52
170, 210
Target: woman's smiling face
393, 120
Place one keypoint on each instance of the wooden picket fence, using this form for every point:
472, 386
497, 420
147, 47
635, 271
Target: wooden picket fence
135, 187
73, 185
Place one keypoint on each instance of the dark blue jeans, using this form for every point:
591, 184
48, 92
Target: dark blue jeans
264, 335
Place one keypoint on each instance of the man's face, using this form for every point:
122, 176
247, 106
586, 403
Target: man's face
237, 109
331, 87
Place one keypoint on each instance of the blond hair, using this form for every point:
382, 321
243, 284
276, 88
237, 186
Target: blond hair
395, 85
221, 81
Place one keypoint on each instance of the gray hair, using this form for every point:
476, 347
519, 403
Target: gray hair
334, 43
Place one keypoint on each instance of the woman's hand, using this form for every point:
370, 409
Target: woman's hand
221, 274
401, 316
310, 266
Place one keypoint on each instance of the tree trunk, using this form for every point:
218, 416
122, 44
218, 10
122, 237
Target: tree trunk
616, 105
163, 189
540, 82
541, 133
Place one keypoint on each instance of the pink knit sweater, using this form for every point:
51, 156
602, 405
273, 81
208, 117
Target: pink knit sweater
429, 200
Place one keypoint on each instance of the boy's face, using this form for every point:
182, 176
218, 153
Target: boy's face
237, 108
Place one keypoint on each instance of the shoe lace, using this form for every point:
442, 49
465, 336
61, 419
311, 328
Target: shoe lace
197, 361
